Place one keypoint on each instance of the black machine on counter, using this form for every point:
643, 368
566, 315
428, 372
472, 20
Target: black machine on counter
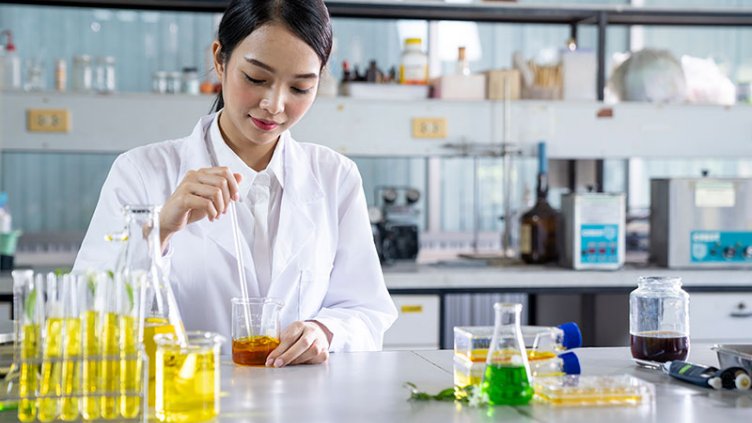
394, 221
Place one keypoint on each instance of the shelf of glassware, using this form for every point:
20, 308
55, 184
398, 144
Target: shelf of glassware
383, 128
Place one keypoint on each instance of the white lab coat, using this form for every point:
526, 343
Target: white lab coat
324, 265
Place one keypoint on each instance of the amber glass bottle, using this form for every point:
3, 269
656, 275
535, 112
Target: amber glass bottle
539, 224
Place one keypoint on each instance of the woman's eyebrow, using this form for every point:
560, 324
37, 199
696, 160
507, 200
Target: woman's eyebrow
266, 67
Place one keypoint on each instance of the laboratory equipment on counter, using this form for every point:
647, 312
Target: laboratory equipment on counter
507, 378
659, 320
734, 355
83, 79
586, 391
413, 63
593, 231
705, 376
188, 377
395, 223
105, 80
257, 335
468, 372
538, 226
701, 222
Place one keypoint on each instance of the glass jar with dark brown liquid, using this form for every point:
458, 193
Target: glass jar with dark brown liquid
659, 320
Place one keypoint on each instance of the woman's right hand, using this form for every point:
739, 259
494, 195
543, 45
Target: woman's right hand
203, 193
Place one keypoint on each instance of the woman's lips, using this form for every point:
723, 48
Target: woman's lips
264, 125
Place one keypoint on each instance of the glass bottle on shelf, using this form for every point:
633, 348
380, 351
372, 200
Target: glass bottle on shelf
413, 63
538, 226
463, 67
507, 379
659, 320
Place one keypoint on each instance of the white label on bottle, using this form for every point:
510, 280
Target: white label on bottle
414, 74
526, 239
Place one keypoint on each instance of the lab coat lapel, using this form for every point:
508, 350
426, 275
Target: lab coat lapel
301, 195
195, 155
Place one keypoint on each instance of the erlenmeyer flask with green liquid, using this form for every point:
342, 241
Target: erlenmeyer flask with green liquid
507, 379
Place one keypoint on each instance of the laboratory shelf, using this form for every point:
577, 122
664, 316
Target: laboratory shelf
356, 127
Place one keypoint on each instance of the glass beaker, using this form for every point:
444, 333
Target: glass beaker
188, 377
255, 334
507, 377
659, 319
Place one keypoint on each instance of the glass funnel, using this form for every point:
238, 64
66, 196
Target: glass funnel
507, 376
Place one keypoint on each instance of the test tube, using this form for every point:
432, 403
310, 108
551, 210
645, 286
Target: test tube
130, 308
50, 387
87, 293
109, 348
71, 348
30, 318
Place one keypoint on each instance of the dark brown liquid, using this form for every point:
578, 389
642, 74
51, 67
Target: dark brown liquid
659, 346
253, 351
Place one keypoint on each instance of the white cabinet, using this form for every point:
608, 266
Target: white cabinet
720, 317
417, 325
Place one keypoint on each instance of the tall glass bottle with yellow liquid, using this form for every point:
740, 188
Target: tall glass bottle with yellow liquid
50, 386
29, 319
538, 226
143, 253
507, 379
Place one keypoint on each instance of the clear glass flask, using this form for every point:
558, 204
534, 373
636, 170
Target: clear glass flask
507, 379
142, 255
659, 319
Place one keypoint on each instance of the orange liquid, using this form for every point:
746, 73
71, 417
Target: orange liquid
252, 351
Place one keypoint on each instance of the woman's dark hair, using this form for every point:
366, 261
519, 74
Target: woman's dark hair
307, 19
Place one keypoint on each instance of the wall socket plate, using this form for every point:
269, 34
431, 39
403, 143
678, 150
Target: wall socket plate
431, 127
48, 120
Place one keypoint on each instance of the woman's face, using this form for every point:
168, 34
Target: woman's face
268, 84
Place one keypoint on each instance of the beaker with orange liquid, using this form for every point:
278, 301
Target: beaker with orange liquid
255, 333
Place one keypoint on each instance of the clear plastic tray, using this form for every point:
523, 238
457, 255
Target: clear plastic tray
587, 391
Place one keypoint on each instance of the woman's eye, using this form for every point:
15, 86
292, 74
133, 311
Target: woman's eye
254, 81
301, 90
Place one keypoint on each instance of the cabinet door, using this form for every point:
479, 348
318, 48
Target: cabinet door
417, 325
720, 317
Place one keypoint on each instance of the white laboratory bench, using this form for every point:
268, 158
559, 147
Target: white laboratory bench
354, 387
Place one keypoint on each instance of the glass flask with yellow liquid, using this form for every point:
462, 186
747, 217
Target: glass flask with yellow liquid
507, 379
142, 260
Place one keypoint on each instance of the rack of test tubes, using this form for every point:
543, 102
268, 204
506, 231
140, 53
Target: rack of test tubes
77, 353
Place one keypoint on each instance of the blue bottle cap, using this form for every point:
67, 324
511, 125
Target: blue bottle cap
572, 335
570, 363
3, 199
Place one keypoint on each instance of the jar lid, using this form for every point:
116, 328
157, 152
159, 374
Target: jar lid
411, 41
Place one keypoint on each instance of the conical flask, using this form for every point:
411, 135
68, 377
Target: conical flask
506, 380
142, 260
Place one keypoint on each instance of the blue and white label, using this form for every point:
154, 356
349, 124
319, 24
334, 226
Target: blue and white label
720, 247
599, 243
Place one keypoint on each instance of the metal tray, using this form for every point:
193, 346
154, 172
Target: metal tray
734, 355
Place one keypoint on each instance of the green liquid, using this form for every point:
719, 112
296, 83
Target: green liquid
507, 385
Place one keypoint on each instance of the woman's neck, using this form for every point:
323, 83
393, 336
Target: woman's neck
256, 156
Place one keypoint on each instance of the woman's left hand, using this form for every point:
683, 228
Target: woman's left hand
301, 343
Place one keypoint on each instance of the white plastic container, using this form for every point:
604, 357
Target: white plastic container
413, 63
11, 65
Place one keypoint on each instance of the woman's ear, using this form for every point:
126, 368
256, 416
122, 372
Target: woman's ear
219, 65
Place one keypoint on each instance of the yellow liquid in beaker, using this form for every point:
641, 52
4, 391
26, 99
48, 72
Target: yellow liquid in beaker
109, 366
154, 326
188, 390
71, 367
27, 384
90, 374
130, 369
52, 371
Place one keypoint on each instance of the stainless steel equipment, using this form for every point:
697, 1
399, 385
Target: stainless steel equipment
395, 224
701, 222
592, 231
734, 355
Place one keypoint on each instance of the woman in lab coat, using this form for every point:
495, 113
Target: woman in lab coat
301, 208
